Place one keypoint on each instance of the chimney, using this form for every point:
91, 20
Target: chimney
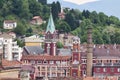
89, 52
0, 59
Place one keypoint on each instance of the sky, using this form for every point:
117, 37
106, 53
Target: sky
109, 7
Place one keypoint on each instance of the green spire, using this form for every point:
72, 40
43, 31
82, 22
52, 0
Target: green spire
50, 25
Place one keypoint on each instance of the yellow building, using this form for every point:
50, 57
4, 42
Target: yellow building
34, 41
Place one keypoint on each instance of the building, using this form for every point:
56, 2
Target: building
9, 24
36, 20
12, 34
8, 69
48, 66
83, 60
9, 48
61, 15
34, 40
66, 39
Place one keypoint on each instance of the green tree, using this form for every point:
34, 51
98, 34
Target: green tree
7, 8
94, 17
55, 9
24, 9
20, 43
20, 29
103, 19
35, 7
58, 6
59, 45
97, 37
63, 26
86, 13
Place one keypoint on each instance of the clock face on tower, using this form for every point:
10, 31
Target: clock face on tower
76, 40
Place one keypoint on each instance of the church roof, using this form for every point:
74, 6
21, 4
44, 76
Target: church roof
50, 25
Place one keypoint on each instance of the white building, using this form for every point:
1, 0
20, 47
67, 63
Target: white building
10, 49
9, 24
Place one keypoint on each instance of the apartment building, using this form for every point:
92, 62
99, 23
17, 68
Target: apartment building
10, 49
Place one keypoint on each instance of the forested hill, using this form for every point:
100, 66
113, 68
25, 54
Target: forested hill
106, 29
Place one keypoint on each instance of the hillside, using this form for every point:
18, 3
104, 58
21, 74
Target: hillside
106, 29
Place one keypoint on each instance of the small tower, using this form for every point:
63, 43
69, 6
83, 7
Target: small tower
89, 52
75, 69
50, 37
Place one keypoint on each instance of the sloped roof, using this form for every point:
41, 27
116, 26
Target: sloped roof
64, 52
10, 64
9, 21
34, 49
50, 25
5, 35
102, 51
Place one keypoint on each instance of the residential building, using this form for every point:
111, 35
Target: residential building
10, 49
36, 20
12, 34
9, 24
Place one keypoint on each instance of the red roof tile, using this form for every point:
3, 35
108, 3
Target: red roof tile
6, 63
9, 79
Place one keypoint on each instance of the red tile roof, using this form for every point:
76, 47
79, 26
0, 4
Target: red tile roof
102, 50
9, 79
44, 57
6, 63
36, 17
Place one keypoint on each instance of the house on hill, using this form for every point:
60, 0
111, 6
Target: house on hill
9, 24
36, 20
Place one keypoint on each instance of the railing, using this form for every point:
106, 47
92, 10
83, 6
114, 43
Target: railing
106, 64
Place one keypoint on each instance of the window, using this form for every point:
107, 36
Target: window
104, 69
84, 72
57, 62
118, 69
84, 61
5, 40
112, 69
98, 70
39, 62
39, 68
74, 74
51, 62
32, 61
45, 62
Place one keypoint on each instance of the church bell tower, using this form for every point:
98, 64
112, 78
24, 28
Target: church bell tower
50, 37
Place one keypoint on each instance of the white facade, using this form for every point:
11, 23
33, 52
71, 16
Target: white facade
9, 24
11, 51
